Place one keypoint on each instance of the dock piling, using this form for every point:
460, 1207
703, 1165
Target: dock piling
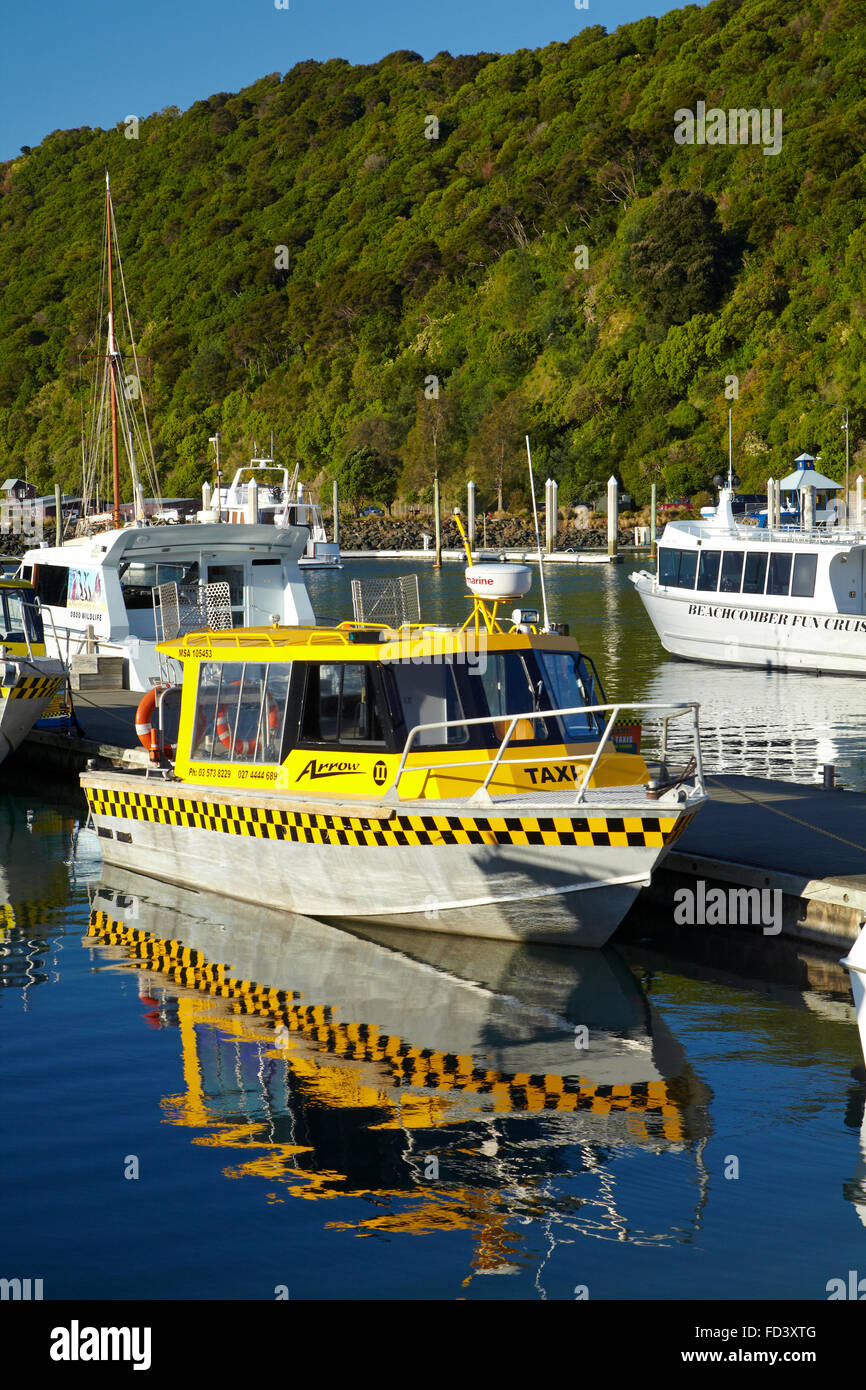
551, 514
612, 517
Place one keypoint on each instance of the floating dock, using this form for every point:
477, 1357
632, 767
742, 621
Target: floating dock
518, 556
802, 842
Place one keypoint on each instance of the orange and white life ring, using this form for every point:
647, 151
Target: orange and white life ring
145, 725
242, 746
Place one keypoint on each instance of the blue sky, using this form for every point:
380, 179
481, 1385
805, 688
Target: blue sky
94, 62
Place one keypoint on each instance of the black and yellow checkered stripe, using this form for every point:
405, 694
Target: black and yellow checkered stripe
305, 827
420, 1067
31, 688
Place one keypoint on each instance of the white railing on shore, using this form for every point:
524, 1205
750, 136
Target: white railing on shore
675, 710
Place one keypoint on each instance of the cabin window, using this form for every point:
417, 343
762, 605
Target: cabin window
428, 694
688, 569
569, 683
138, 579
669, 566
754, 572
340, 704
779, 574
708, 569
19, 617
805, 571
51, 583
240, 712
678, 568
508, 690
732, 572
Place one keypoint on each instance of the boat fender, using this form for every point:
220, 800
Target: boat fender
145, 724
244, 746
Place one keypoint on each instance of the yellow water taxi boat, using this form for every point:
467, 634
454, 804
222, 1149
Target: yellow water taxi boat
29, 681
470, 780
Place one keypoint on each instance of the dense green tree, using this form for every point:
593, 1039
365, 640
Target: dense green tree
678, 257
304, 255
362, 477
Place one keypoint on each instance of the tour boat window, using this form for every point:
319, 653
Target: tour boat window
688, 569
240, 711
51, 583
805, 570
19, 617
708, 569
669, 565
138, 579
779, 574
508, 689
340, 704
569, 683
732, 572
754, 571
428, 694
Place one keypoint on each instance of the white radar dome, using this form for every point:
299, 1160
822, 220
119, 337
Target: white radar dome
498, 581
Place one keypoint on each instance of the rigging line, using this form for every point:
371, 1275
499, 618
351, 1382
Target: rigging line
150, 462
831, 835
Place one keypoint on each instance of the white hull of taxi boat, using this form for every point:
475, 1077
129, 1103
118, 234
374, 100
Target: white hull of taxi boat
709, 627
25, 699
553, 873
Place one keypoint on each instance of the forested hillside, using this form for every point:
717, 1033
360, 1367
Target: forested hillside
324, 252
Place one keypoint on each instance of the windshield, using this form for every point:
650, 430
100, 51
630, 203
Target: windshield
568, 683
19, 618
509, 690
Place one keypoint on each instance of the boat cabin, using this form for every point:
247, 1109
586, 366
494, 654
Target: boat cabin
354, 711
101, 589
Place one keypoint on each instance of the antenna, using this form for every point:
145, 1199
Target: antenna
538, 538
730, 449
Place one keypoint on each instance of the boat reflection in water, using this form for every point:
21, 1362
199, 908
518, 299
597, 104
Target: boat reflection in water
445, 1080
783, 725
36, 850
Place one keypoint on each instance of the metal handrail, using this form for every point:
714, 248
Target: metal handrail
795, 535
676, 709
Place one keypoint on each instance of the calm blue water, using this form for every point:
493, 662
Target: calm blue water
402, 1116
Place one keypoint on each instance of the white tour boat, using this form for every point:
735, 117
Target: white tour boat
780, 596
101, 593
281, 500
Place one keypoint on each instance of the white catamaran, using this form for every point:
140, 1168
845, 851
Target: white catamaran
788, 595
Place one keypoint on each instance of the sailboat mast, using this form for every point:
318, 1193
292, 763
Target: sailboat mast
112, 362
